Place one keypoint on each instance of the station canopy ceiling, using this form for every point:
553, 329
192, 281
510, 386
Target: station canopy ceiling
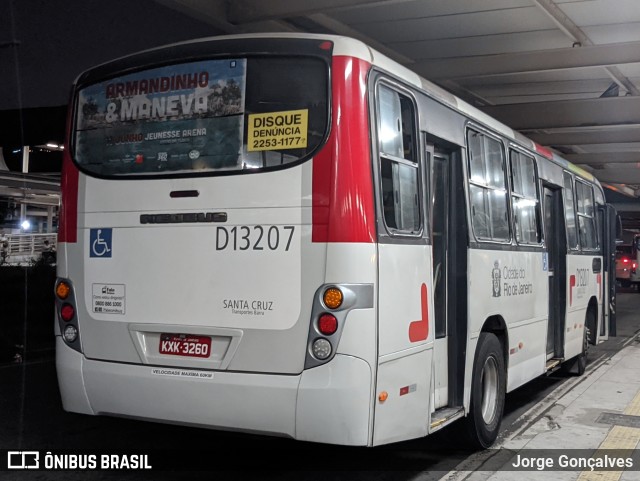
566, 73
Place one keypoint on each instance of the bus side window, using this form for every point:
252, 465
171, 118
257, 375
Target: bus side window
487, 189
524, 198
586, 216
399, 174
569, 212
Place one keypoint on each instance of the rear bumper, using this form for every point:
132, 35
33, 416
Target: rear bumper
627, 275
329, 404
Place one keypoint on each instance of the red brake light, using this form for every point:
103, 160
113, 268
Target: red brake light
625, 260
67, 312
327, 324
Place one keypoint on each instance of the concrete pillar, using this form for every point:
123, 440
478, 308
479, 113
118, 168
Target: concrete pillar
25, 159
49, 219
3, 165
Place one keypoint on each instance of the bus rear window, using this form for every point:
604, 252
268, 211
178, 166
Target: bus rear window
209, 116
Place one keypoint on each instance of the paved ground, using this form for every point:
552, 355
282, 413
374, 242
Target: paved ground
556, 412
598, 411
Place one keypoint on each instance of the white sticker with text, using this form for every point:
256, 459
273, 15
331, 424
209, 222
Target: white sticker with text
108, 298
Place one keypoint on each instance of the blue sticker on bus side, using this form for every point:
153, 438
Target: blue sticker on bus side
100, 242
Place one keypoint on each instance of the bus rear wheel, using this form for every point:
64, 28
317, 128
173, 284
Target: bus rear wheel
581, 363
578, 365
488, 388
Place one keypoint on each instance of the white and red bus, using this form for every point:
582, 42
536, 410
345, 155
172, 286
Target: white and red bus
295, 235
628, 262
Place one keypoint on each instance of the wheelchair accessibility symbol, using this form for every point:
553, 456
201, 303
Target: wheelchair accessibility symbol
100, 243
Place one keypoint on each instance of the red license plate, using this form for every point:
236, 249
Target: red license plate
185, 345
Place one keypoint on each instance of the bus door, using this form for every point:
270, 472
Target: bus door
609, 223
555, 239
405, 330
440, 235
449, 237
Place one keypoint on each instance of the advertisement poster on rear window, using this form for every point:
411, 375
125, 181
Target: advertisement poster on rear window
179, 118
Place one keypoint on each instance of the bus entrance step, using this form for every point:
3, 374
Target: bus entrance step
553, 364
443, 416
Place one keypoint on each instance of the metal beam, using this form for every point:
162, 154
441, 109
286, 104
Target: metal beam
246, 11
37, 213
627, 207
29, 182
574, 32
604, 158
562, 21
587, 136
627, 175
525, 62
18, 196
620, 189
569, 113
214, 12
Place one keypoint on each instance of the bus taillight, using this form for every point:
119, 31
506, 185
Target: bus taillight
67, 312
332, 298
332, 303
70, 333
327, 324
321, 349
62, 290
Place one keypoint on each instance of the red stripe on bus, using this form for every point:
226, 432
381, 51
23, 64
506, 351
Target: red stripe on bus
572, 284
544, 151
343, 209
68, 220
419, 330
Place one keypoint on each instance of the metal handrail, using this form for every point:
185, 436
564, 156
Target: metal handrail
30, 245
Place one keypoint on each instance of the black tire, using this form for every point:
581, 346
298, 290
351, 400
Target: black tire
581, 362
591, 325
488, 387
578, 365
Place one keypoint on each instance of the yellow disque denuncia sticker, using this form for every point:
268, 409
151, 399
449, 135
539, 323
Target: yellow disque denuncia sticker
278, 130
